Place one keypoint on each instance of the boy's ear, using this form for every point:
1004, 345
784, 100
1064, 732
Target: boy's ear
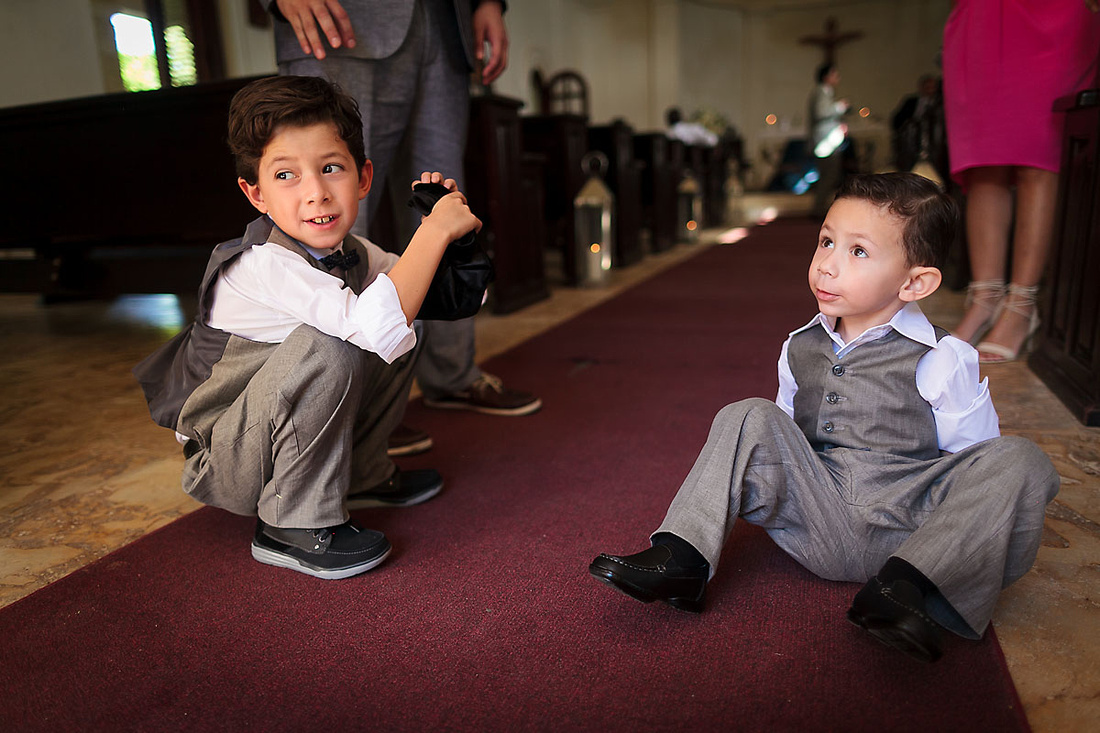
922, 282
252, 193
366, 175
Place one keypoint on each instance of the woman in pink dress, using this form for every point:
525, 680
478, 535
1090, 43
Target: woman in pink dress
1005, 62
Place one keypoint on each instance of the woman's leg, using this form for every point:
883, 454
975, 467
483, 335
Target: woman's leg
988, 221
1036, 198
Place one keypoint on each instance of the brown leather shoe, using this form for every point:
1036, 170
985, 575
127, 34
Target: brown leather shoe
408, 441
489, 396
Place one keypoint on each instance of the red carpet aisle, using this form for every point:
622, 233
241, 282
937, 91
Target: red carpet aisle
484, 618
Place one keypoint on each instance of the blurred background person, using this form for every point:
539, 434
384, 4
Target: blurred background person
828, 135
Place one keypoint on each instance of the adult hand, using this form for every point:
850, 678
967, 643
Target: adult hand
489, 26
1093, 5
306, 15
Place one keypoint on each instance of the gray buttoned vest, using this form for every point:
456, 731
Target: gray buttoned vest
868, 400
180, 380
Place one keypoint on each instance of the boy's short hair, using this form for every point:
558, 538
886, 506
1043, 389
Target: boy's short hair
261, 107
930, 216
823, 71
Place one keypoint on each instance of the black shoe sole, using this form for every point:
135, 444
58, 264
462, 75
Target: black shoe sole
897, 634
283, 560
691, 605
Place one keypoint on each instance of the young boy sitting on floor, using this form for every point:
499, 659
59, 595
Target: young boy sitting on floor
880, 460
297, 367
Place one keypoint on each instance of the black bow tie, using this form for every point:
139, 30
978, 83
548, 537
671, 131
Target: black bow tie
339, 259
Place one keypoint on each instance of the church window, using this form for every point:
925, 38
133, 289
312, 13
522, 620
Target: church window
135, 43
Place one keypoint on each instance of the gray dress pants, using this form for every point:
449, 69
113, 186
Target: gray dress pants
970, 521
311, 425
415, 107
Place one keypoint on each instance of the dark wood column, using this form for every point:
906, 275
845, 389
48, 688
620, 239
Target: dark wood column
509, 205
1068, 355
562, 140
658, 186
616, 141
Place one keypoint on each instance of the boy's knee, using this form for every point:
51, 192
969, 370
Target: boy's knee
753, 408
329, 352
1022, 458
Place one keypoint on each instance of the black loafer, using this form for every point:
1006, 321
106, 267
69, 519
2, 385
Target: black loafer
653, 575
403, 488
895, 615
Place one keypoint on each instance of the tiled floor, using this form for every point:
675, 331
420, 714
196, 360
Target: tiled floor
84, 471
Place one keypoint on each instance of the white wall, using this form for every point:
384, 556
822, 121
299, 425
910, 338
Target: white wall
249, 50
47, 51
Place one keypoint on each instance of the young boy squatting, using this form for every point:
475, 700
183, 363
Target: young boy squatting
297, 367
881, 459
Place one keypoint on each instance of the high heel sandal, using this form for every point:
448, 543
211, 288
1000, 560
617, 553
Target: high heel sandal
1022, 300
988, 296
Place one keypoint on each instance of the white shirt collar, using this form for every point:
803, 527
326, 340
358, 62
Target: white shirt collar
910, 322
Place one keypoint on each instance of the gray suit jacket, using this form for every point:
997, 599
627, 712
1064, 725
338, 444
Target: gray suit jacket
380, 28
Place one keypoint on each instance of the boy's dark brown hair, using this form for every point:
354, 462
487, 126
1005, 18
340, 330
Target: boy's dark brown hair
931, 217
261, 107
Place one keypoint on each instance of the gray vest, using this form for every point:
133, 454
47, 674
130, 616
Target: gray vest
192, 379
868, 400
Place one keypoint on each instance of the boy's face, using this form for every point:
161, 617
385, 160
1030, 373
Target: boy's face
858, 273
308, 184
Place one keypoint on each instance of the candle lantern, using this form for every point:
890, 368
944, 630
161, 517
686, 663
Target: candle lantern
593, 213
689, 203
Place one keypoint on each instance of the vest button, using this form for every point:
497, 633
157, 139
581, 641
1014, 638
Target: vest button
832, 398
838, 369
827, 427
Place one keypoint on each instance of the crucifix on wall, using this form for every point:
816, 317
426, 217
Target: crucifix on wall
830, 40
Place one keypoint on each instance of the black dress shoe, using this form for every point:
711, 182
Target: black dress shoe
894, 614
653, 575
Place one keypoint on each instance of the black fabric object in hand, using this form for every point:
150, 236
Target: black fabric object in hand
339, 259
464, 271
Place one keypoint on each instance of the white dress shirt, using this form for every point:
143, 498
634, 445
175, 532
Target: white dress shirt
947, 377
268, 291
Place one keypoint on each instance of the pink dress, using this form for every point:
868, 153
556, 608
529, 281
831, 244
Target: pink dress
1005, 62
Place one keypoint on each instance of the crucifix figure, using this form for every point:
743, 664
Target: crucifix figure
831, 39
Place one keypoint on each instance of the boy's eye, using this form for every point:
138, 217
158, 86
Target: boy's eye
332, 168
826, 242
284, 175
859, 252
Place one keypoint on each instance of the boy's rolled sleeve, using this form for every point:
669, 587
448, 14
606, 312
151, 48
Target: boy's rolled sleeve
269, 291
378, 310
948, 379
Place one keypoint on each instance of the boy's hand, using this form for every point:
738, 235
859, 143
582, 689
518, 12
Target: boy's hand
451, 215
436, 177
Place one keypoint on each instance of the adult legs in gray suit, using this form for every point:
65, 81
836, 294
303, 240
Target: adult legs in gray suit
415, 108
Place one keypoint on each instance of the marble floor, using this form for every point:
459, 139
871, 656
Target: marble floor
84, 471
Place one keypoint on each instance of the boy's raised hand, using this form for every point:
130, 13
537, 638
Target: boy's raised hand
451, 215
450, 219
